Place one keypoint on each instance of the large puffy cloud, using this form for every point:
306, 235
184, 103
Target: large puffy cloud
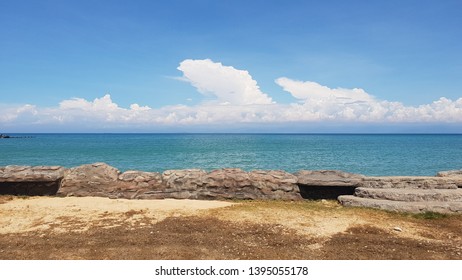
100, 105
227, 84
323, 103
236, 100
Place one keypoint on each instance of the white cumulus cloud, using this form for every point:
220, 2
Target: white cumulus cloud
9, 114
323, 103
100, 110
236, 100
226, 83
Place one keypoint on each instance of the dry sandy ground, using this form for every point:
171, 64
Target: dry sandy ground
101, 228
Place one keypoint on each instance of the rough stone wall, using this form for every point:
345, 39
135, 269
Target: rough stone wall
439, 193
231, 183
100, 179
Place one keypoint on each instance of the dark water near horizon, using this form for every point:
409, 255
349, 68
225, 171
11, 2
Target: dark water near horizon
369, 154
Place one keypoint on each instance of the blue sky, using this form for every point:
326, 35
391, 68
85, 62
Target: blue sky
80, 65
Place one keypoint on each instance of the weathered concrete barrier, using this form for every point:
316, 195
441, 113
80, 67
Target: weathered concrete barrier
26, 180
408, 182
408, 194
454, 175
326, 184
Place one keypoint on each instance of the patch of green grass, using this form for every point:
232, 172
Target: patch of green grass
430, 215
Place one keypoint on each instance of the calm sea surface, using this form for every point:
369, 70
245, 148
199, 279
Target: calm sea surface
365, 154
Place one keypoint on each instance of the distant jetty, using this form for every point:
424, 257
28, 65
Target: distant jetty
4, 136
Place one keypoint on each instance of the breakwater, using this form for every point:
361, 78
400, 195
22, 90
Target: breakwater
440, 193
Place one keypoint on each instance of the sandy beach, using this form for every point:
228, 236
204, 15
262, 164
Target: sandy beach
81, 213
102, 228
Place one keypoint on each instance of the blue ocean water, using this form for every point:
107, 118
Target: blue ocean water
374, 154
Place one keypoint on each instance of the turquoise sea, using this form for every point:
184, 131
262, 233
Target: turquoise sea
374, 154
